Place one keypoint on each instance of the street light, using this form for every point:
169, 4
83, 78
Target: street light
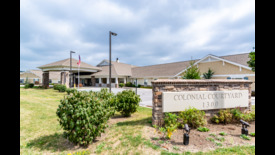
71, 68
110, 63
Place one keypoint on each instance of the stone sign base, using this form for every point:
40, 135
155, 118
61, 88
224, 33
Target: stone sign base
180, 85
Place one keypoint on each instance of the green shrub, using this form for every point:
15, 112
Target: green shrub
106, 95
127, 102
83, 116
129, 84
222, 133
31, 85
233, 115
27, 85
203, 129
70, 90
139, 85
171, 123
59, 87
193, 117
121, 85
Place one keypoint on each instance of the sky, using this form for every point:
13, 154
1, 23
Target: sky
148, 32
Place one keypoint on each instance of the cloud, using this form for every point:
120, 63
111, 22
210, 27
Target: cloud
149, 32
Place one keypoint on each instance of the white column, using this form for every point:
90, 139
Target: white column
116, 80
107, 80
124, 80
99, 80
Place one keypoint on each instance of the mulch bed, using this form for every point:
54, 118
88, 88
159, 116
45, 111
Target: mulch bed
198, 140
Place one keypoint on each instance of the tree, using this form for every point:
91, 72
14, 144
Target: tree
209, 74
192, 72
251, 62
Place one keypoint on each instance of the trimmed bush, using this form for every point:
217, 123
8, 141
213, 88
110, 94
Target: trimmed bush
83, 116
193, 117
129, 84
127, 102
27, 86
31, 85
59, 87
121, 85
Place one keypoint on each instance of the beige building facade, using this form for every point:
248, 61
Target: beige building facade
225, 67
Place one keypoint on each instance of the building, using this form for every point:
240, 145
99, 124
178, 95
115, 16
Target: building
35, 76
225, 67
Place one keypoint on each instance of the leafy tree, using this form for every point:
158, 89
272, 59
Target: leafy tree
251, 62
209, 74
192, 72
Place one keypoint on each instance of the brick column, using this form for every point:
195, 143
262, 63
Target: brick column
45, 78
65, 78
93, 80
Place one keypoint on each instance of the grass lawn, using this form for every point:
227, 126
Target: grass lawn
40, 132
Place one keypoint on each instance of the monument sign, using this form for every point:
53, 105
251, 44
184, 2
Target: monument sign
203, 100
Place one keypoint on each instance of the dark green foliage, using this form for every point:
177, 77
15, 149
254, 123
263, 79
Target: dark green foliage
127, 102
192, 72
83, 116
252, 134
121, 85
251, 62
139, 85
129, 84
209, 74
31, 85
27, 86
70, 90
106, 95
171, 120
253, 93
193, 117
245, 137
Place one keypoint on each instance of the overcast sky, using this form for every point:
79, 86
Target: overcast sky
149, 31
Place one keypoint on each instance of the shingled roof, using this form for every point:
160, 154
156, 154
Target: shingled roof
118, 69
66, 63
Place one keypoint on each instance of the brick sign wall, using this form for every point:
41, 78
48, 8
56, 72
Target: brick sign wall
175, 95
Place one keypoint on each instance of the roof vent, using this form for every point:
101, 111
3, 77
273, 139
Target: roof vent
117, 60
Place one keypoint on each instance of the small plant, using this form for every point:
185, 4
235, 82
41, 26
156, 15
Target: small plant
203, 129
225, 116
171, 123
213, 135
222, 133
176, 148
210, 139
193, 117
245, 137
127, 102
252, 134
218, 143
220, 139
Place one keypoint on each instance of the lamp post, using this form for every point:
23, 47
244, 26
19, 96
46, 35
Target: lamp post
71, 68
110, 63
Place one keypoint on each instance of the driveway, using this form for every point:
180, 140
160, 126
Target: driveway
145, 94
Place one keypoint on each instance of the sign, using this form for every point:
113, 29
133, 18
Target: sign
203, 100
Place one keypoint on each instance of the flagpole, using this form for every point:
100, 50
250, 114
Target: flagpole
78, 76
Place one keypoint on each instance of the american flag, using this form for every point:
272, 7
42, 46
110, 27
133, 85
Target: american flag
79, 61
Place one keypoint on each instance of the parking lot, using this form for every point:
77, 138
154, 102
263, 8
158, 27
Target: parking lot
145, 94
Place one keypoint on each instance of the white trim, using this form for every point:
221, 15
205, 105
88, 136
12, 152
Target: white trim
208, 56
68, 69
234, 75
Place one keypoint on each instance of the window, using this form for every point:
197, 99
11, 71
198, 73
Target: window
97, 80
21, 80
113, 80
35, 80
246, 78
228, 78
50, 80
145, 81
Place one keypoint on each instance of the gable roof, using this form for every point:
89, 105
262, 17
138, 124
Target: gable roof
66, 63
118, 68
161, 70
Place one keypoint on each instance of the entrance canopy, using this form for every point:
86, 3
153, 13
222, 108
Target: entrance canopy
64, 65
